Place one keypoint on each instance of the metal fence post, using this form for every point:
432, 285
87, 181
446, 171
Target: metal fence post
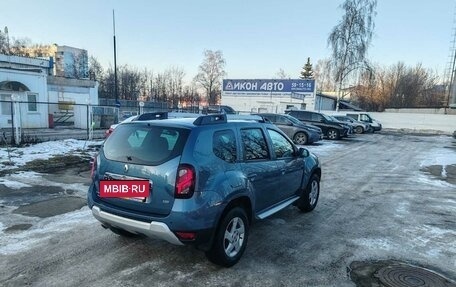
12, 122
87, 106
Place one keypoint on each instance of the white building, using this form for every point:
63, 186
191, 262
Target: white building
71, 62
23, 81
30, 96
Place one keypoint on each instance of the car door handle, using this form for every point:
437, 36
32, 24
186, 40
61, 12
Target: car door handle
252, 176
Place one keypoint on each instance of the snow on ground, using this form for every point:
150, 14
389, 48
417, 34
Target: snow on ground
11, 243
22, 179
19, 156
437, 156
324, 147
11, 181
440, 156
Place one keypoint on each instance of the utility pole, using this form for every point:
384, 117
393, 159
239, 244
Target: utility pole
451, 68
116, 94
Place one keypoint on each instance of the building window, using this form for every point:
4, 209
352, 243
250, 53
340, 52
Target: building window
5, 105
31, 99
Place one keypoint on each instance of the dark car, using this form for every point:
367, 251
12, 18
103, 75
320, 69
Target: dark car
348, 126
200, 181
331, 129
300, 132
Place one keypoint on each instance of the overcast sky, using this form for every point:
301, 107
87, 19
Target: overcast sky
257, 37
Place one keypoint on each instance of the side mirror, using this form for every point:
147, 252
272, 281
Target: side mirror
302, 152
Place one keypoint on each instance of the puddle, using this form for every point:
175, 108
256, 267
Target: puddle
54, 164
442, 172
19, 227
51, 207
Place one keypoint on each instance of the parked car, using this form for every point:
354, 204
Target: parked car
358, 127
454, 134
346, 125
366, 118
112, 127
300, 132
331, 129
208, 178
224, 109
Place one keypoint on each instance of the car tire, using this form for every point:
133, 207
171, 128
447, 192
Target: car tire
309, 197
122, 232
333, 134
231, 238
359, 130
300, 138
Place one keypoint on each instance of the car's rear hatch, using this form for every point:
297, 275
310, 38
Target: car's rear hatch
143, 151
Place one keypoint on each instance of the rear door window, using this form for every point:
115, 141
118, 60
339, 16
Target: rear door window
224, 145
145, 144
301, 115
271, 118
254, 144
317, 118
281, 120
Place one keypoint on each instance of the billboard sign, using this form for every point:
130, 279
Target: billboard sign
269, 86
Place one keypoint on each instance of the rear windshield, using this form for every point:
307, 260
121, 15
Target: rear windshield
145, 144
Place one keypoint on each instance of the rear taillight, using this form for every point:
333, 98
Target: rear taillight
185, 182
186, 236
94, 166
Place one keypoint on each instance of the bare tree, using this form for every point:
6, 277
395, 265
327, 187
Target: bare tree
282, 75
96, 71
72, 69
351, 38
20, 47
13, 46
106, 88
175, 84
398, 86
323, 75
191, 97
4, 49
210, 74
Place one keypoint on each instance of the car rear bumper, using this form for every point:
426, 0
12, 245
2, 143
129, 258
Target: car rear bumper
152, 229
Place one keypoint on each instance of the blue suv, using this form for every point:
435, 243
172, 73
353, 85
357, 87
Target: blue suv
209, 177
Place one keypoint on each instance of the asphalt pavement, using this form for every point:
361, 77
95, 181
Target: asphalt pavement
383, 197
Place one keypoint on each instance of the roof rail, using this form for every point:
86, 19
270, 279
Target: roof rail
210, 119
153, 116
256, 118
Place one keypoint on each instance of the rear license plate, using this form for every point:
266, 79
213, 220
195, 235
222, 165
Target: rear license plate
130, 189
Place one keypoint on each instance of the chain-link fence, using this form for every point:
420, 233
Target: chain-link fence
28, 122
